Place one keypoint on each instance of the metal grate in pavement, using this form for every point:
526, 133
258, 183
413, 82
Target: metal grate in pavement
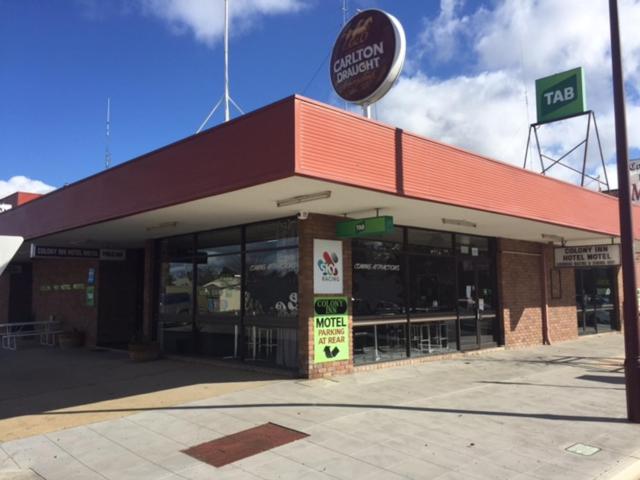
237, 446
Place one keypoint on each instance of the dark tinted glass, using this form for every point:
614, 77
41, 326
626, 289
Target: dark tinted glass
433, 285
377, 279
219, 242
430, 242
280, 233
272, 286
474, 246
176, 247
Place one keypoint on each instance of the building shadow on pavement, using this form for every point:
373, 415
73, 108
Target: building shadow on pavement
367, 406
37, 380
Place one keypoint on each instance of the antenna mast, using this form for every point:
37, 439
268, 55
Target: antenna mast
107, 151
226, 98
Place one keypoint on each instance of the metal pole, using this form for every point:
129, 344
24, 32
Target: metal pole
366, 110
630, 304
227, 115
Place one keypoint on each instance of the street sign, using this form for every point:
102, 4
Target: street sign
365, 227
561, 95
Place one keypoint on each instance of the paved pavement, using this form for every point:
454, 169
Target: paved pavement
501, 415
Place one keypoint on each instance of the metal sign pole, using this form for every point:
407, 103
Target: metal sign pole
227, 113
630, 306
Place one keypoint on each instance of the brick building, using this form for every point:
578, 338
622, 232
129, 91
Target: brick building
222, 244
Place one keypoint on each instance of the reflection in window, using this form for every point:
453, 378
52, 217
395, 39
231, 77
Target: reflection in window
219, 242
379, 343
474, 246
430, 242
219, 285
377, 279
277, 234
432, 283
272, 287
176, 287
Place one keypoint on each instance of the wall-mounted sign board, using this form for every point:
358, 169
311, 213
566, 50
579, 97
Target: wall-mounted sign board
634, 179
365, 227
561, 95
328, 272
330, 329
587, 256
40, 251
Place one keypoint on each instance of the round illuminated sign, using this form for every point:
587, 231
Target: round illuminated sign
367, 57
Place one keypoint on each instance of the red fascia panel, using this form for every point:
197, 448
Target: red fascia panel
335, 145
250, 150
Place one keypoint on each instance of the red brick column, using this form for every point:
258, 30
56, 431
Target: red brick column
323, 227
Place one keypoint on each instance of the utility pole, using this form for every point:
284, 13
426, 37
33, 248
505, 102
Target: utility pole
630, 306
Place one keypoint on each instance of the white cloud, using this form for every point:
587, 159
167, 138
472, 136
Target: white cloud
205, 18
499, 52
20, 183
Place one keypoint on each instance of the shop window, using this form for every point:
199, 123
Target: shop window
433, 337
277, 234
272, 287
379, 342
176, 306
177, 247
473, 246
219, 298
432, 283
378, 286
220, 242
429, 242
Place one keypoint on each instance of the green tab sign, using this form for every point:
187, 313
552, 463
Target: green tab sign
365, 227
561, 95
330, 329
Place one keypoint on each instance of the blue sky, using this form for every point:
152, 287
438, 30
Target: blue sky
160, 61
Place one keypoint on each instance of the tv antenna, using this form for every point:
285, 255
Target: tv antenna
226, 98
107, 150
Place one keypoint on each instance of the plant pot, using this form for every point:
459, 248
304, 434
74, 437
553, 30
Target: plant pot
70, 339
144, 352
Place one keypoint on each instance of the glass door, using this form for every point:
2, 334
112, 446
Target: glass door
595, 300
476, 305
467, 305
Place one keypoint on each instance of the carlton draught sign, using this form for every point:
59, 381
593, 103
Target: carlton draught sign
367, 57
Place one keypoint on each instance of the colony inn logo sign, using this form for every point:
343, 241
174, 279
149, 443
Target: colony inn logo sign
367, 57
327, 266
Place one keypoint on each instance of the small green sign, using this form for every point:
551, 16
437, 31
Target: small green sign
365, 227
330, 329
91, 298
561, 95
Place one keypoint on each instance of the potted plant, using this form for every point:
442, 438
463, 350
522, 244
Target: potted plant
142, 349
71, 338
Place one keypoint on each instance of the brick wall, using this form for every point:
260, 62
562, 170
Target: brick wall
562, 311
5, 284
318, 226
68, 306
520, 289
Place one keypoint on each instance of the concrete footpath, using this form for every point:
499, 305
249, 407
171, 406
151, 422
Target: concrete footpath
500, 415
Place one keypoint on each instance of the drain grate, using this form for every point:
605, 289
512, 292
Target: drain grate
237, 446
582, 449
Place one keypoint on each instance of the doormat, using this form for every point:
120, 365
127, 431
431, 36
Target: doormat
237, 446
